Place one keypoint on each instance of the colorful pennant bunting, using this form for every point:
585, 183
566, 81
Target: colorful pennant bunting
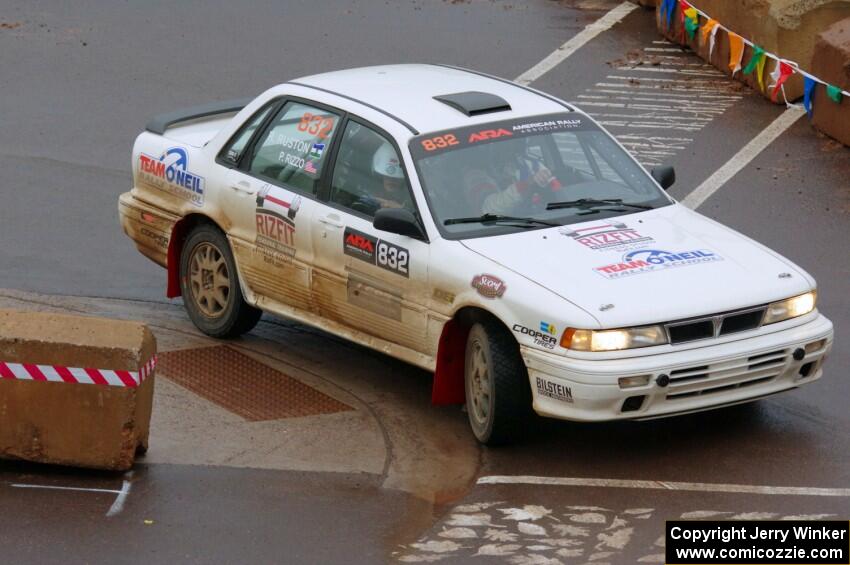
808, 93
834, 93
736, 52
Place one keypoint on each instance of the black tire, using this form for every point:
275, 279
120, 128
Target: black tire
500, 418
203, 301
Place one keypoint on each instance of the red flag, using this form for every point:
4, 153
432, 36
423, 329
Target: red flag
779, 75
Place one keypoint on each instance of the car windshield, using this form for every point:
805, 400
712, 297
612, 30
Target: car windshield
528, 173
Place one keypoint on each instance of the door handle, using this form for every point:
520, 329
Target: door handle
332, 221
242, 186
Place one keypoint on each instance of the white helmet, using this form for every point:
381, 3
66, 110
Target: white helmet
386, 162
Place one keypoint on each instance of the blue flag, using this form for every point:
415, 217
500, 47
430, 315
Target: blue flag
808, 94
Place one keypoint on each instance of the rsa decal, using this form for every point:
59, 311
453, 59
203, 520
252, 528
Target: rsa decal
648, 260
607, 237
374, 251
170, 173
489, 286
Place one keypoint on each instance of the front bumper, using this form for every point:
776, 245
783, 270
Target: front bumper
699, 379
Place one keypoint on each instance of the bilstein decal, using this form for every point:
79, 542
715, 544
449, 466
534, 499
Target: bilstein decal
554, 390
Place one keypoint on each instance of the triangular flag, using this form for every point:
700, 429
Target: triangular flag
707, 28
736, 52
834, 93
683, 7
779, 75
809, 94
758, 54
760, 72
691, 22
668, 7
711, 44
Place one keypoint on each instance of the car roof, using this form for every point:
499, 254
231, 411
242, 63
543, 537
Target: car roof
407, 93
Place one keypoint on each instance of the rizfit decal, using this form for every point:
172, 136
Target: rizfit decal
170, 172
275, 221
489, 286
554, 390
376, 251
648, 260
540, 338
608, 237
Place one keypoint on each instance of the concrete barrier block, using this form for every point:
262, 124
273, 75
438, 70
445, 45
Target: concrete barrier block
75, 390
832, 64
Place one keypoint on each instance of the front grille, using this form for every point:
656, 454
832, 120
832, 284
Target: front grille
741, 322
714, 326
743, 372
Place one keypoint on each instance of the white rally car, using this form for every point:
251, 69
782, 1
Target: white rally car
476, 228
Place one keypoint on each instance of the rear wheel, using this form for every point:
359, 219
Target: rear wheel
498, 397
210, 286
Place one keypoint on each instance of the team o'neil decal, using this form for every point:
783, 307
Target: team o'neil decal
376, 251
648, 260
489, 286
607, 237
170, 172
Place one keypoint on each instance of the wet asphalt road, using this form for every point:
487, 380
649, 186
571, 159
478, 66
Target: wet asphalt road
68, 116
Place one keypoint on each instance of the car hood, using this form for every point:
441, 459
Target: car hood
660, 265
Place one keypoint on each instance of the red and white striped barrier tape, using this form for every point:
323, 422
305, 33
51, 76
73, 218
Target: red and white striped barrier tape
53, 373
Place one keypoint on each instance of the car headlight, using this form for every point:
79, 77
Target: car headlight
613, 340
790, 307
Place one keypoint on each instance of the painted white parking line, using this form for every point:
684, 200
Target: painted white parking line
118, 505
51, 487
743, 157
576, 42
662, 485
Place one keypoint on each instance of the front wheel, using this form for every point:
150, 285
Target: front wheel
498, 398
210, 286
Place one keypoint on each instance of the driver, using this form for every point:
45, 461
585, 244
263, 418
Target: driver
527, 178
392, 192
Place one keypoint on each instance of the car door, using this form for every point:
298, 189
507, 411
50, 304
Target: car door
271, 195
368, 279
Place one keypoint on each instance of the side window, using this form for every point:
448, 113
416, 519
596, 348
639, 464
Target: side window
292, 149
232, 152
368, 174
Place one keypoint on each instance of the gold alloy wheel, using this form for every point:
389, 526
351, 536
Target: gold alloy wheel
479, 375
209, 279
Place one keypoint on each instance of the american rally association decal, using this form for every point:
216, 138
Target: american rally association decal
170, 172
276, 227
608, 237
554, 390
489, 286
648, 260
376, 251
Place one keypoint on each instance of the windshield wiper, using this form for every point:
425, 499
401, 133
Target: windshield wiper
588, 203
486, 218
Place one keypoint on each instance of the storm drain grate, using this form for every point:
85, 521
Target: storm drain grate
243, 385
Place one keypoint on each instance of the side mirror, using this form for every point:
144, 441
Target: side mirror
665, 176
398, 220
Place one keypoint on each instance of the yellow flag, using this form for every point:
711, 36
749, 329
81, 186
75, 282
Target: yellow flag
736, 52
760, 72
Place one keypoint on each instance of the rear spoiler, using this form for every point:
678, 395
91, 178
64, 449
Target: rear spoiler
162, 122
